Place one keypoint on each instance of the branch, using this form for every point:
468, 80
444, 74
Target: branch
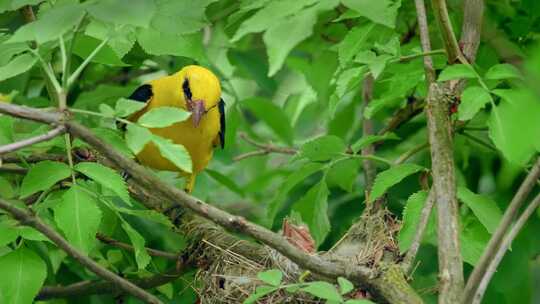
421, 228
370, 172
490, 271
86, 288
472, 28
32, 140
408, 154
424, 39
496, 240
393, 293
264, 149
403, 115
153, 252
7, 159
28, 219
445, 27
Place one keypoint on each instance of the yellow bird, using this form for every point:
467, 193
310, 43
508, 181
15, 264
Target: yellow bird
194, 89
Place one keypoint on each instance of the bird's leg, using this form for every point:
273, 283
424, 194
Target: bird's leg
175, 212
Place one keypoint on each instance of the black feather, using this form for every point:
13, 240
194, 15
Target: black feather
186, 89
142, 93
221, 107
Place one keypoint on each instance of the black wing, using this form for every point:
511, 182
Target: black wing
143, 94
221, 107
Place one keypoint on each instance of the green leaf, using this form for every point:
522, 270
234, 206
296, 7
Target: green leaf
16, 4
113, 138
23, 274
150, 215
390, 177
270, 15
161, 117
348, 80
323, 290
485, 209
503, 71
313, 207
355, 40
175, 153
345, 286
472, 100
121, 38
125, 107
411, 217
78, 216
363, 301
380, 11
514, 126
260, 292
42, 176
225, 181
18, 65
6, 189
343, 173
159, 43
323, 148
106, 177
141, 256
50, 25
272, 277
457, 71
9, 50
473, 239
370, 139
180, 17
122, 12
137, 137
8, 233
272, 115
292, 180
85, 45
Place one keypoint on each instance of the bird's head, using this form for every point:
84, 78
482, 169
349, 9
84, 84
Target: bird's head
201, 91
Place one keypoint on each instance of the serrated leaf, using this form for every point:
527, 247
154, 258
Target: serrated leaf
106, 177
226, 181
349, 79
175, 153
42, 176
113, 138
486, 210
354, 42
380, 11
502, 71
50, 25
121, 38
159, 43
122, 12
313, 208
343, 173
345, 286
125, 107
137, 137
473, 99
180, 17
161, 117
323, 148
84, 45
272, 277
390, 177
457, 71
78, 216
260, 292
323, 290
473, 239
273, 116
410, 219
292, 180
514, 126
138, 242
23, 274
370, 139
17, 65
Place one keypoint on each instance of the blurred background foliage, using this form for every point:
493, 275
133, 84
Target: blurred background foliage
291, 73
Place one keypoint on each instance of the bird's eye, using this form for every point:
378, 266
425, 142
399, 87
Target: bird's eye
186, 89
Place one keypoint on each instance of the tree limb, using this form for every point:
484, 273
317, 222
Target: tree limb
496, 240
28, 219
367, 129
447, 32
424, 40
472, 28
32, 140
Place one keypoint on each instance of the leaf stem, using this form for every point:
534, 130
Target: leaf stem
78, 71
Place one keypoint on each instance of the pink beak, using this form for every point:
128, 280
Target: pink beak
197, 112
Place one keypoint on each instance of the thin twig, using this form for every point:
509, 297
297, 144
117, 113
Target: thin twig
423, 54
403, 115
473, 13
445, 27
153, 252
86, 288
367, 129
28, 219
9, 159
32, 140
497, 238
21, 171
264, 149
86, 61
505, 245
478, 141
408, 261
424, 39
408, 154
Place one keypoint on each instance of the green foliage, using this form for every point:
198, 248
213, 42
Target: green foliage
43, 176
24, 272
163, 117
390, 177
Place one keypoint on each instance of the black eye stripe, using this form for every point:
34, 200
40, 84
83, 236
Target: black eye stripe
186, 89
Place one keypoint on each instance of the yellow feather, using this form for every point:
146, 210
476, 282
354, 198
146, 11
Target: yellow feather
199, 141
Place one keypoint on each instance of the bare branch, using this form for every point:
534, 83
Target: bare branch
32, 140
408, 261
86, 288
153, 252
501, 251
367, 129
472, 28
424, 39
8, 159
28, 219
408, 154
447, 32
496, 240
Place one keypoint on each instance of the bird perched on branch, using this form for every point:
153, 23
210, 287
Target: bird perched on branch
194, 89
